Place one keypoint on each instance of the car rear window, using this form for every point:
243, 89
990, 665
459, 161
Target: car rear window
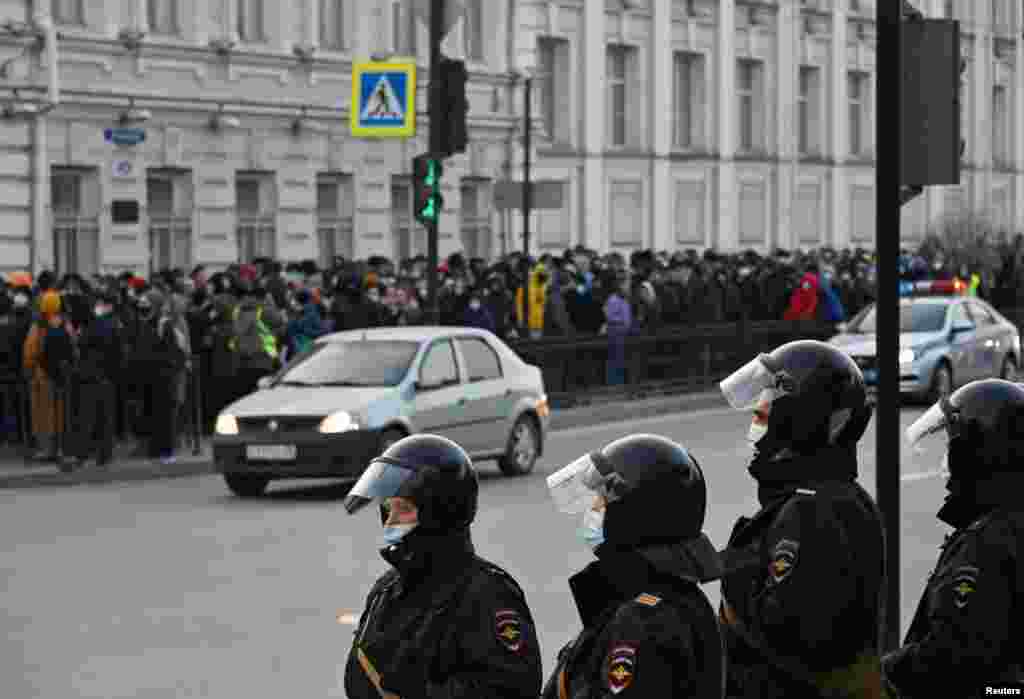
360, 363
914, 318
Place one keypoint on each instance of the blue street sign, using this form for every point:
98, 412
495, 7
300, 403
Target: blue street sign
124, 136
383, 100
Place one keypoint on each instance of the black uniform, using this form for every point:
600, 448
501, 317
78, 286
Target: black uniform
444, 623
648, 628
966, 633
811, 562
807, 564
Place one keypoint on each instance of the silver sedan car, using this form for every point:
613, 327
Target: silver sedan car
331, 410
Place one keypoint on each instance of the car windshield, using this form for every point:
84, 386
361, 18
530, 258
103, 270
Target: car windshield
914, 318
363, 363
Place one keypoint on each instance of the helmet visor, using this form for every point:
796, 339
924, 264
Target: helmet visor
930, 427
380, 480
574, 487
754, 383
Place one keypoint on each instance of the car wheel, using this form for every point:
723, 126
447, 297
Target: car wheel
1009, 370
523, 448
942, 383
246, 486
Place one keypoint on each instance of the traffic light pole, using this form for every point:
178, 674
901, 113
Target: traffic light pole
436, 108
527, 195
887, 236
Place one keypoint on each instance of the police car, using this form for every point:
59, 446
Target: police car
947, 339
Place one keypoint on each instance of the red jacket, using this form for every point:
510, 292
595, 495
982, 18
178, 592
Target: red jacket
803, 304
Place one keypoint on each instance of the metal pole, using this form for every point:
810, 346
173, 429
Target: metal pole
436, 107
527, 194
887, 237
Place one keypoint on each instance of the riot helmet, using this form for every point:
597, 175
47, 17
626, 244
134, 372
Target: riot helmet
981, 426
805, 395
652, 491
434, 472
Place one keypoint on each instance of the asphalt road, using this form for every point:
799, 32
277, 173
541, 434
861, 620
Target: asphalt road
176, 589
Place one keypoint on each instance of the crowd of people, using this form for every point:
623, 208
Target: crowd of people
113, 356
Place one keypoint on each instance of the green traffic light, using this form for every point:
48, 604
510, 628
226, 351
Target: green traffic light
430, 210
431, 179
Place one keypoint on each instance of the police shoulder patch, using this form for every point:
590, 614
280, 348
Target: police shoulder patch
508, 629
647, 599
784, 558
621, 666
965, 582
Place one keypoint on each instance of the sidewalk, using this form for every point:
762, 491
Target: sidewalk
16, 472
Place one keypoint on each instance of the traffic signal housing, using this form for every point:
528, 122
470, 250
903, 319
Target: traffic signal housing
930, 137
427, 170
454, 107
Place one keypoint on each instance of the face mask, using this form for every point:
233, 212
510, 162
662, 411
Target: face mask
396, 532
20, 301
592, 531
757, 432
374, 298
475, 305
945, 462
101, 311
580, 289
422, 289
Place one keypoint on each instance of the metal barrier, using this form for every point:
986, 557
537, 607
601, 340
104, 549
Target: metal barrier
672, 360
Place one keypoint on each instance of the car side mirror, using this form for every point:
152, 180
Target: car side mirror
265, 382
960, 327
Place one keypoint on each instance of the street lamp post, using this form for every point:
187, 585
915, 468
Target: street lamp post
527, 193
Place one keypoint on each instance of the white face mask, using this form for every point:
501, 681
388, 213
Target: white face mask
20, 300
394, 533
592, 530
475, 305
757, 431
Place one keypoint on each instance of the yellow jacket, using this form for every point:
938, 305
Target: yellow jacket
538, 299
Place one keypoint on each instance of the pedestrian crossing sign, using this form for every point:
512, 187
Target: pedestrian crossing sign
383, 99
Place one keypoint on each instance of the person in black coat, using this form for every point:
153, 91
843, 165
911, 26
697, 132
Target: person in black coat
811, 561
99, 362
648, 629
443, 622
965, 638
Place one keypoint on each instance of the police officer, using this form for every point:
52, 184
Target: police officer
648, 629
801, 602
443, 622
966, 632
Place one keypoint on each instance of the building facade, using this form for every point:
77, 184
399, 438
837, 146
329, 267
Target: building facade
666, 124
742, 124
247, 150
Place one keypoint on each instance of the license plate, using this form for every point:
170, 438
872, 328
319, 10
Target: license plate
273, 452
871, 375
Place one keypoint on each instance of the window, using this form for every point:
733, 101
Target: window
332, 25
808, 105
555, 88
1000, 131
67, 11
250, 20
857, 88
327, 199
914, 318
473, 29
980, 314
748, 76
958, 314
439, 367
1001, 23
617, 58
334, 217
482, 363
949, 9
686, 99
247, 196
366, 363
66, 193
627, 213
403, 28
163, 16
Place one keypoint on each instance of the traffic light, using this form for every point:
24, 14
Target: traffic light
427, 170
959, 97
454, 106
930, 136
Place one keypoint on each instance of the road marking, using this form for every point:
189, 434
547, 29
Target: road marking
923, 475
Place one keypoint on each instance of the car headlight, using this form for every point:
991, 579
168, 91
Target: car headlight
338, 422
226, 424
906, 356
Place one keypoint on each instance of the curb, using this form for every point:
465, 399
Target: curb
596, 414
